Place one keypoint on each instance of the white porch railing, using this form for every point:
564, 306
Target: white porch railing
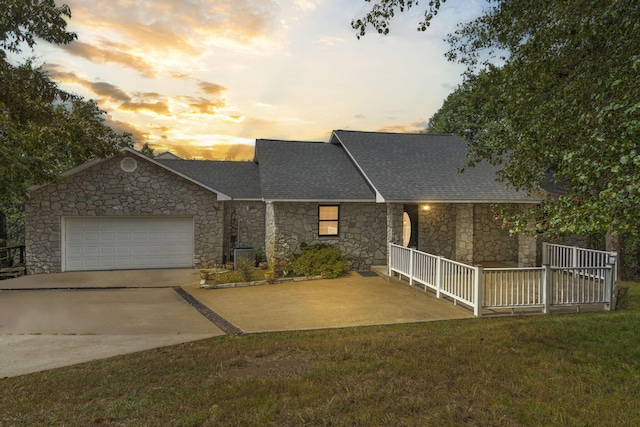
574, 257
493, 288
456, 280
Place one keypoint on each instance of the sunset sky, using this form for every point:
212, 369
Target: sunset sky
202, 78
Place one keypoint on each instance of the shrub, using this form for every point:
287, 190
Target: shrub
245, 267
318, 259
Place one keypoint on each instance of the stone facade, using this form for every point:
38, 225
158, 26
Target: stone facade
492, 242
244, 226
465, 233
362, 228
105, 189
437, 229
470, 233
394, 223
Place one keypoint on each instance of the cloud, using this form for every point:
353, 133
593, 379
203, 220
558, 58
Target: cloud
107, 91
329, 41
212, 88
202, 105
138, 136
414, 127
105, 51
155, 107
304, 4
147, 101
157, 36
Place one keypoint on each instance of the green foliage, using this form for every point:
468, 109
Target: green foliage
318, 259
11, 222
383, 10
560, 81
43, 129
22, 21
261, 255
471, 110
245, 267
147, 150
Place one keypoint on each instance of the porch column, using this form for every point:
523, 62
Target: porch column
528, 244
270, 230
464, 233
394, 223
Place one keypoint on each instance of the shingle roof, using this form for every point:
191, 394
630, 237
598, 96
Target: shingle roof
423, 168
292, 170
239, 180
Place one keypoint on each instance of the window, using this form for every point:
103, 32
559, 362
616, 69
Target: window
328, 219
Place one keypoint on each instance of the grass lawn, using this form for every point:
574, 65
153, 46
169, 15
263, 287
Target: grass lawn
559, 370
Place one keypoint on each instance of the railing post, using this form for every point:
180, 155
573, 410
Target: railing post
411, 251
438, 276
574, 257
477, 291
390, 259
608, 286
546, 289
545, 253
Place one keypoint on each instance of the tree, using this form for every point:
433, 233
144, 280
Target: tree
43, 129
566, 75
147, 150
469, 111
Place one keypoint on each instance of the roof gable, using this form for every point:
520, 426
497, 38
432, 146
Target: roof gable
294, 170
423, 168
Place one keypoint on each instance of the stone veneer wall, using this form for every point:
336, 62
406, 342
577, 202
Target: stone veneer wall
363, 231
394, 223
492, 241
469, 233
465, 238
251, 216
106, 190
437, 230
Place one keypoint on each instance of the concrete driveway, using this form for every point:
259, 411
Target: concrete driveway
54, 320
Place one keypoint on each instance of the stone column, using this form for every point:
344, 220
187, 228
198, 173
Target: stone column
528, 244
527, 250
464, 233
270, 234
394, 223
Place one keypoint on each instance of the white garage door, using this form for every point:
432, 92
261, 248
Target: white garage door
107, 243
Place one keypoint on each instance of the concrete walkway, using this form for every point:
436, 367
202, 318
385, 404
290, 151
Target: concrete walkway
55, 320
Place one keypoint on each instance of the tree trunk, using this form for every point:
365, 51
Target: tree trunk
3, 237
612, 244
3, 229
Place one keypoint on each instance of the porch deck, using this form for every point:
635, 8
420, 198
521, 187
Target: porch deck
494, 288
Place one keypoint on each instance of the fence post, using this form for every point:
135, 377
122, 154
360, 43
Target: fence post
608, 286
390, 259
545, 253
438, 275
411, 251
546, 289
477, 291
574, 257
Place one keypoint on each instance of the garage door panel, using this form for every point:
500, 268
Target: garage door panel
102, 243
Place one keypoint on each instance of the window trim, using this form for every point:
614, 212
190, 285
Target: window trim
336, 220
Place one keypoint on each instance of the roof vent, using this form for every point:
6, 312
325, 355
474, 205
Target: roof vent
128, 164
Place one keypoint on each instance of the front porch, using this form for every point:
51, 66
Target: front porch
573, 279
470, 233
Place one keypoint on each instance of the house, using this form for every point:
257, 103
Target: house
357, 192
